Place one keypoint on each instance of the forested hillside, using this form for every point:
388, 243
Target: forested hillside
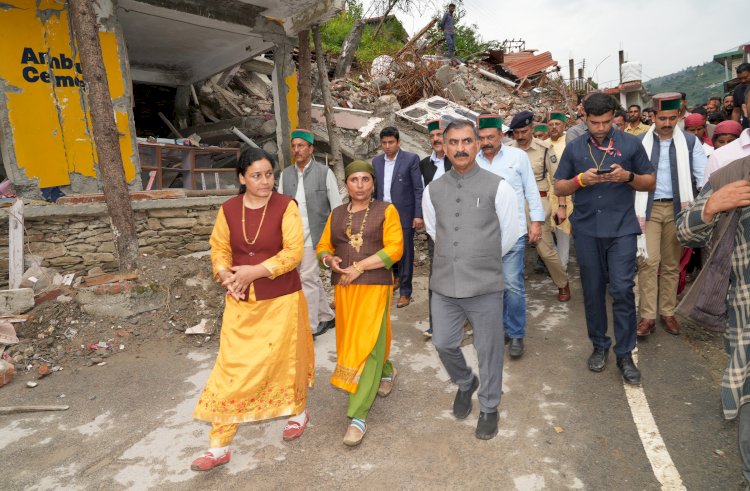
698, 82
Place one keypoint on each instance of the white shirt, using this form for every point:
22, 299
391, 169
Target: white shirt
439, 163
388, 177
505, 208
334, 198
727, 154
664, 171
513, 165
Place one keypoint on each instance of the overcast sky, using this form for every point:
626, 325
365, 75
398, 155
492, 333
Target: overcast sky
663, 35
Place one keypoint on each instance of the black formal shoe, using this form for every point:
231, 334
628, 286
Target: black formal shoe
516, 348
630, 373
486, 426
598, 360
324, 326
462, 402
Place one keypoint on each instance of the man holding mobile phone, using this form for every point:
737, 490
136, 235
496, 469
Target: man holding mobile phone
605, 227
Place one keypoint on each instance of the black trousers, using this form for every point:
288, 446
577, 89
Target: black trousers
608, 263
404, 269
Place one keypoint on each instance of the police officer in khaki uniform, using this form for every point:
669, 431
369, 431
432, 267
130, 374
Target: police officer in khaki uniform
544, 164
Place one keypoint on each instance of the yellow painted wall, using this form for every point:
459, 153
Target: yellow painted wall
50, 125
292, 104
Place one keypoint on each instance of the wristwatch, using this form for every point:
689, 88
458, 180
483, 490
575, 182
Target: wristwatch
631, 177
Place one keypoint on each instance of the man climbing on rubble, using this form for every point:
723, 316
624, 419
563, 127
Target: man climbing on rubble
303, 181
447, 25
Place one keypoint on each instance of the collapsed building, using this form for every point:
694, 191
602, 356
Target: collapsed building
192, 83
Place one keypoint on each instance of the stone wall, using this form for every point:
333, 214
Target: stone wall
76, 238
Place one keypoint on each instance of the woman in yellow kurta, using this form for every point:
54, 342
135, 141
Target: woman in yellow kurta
266, 359
360, 243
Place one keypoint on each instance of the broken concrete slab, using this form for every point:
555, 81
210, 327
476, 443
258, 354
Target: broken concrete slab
436, 107
445, 75
458, 92
349, 119
121, 300
16, 301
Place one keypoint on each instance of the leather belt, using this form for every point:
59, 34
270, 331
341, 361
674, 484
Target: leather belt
663, 200
543, 194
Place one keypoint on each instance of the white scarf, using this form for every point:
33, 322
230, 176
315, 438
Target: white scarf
683, 178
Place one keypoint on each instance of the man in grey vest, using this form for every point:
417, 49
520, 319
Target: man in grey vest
316, 196
472, 216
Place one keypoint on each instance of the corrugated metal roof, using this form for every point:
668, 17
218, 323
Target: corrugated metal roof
525, 63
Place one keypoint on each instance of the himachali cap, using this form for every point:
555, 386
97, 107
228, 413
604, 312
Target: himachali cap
306, 135
541, 127
667, 101
433, 125
558, 116
521, 120
490, 121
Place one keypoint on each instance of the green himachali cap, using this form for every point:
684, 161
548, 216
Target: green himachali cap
433, 125
667, 101
490, 121
540, 127
306, 135
558, 116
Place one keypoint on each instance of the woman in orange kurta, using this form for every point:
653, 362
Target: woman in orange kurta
266, 359
360, 243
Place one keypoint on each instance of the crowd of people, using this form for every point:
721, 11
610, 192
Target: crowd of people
637, 191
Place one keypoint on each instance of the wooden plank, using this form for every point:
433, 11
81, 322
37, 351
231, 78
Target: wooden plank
134, 196
169, 124
416, 37
227, 76
30, 409
110, 278
15, 245
13, 319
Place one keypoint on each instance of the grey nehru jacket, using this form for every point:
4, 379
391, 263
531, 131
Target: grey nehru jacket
316, 195
468, 258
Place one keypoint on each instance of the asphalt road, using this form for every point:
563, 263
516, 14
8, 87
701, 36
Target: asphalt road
561, 426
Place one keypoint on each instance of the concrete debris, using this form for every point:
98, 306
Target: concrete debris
200, 328
16, 301
31, 385
7, 370
7, 333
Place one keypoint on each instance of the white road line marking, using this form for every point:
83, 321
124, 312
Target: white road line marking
656, 451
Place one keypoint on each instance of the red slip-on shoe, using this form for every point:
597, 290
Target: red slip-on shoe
294, 430
207, 461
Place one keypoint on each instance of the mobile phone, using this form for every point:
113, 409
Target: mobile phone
604, 171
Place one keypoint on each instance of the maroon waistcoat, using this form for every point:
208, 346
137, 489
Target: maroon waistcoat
269, 243
373, 242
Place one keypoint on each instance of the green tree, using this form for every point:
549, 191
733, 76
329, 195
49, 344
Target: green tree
389, 40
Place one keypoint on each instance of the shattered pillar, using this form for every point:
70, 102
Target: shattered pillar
284, 80
45, 125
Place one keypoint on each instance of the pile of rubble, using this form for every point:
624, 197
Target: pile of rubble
242, 98
84, 323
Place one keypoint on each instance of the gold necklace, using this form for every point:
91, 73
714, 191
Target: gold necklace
356, 240
257, 233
